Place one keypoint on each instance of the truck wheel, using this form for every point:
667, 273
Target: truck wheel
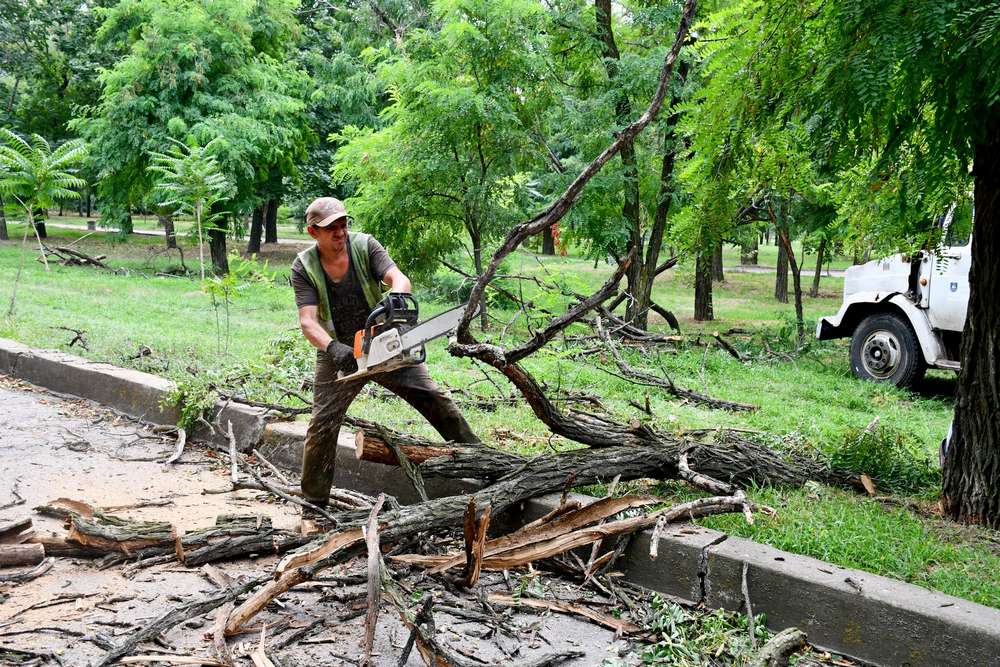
884, 349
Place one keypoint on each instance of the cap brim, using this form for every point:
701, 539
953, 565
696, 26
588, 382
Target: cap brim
330, 219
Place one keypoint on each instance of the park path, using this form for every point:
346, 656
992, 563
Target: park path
161, 234
54, 447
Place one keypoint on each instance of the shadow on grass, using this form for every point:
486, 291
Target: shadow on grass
934, 386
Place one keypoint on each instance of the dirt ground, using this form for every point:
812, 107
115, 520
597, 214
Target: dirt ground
54, 447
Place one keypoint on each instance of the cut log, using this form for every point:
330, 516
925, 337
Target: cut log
111, 534
15, 532
368, 446
21, 554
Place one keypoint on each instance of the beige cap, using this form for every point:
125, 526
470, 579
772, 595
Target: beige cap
325, 211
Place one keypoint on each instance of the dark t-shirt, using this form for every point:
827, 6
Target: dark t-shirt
348, 306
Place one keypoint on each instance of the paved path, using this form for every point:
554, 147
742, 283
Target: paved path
52, 447
153, 232
757, 268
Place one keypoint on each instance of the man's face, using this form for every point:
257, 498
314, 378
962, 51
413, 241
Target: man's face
331, 238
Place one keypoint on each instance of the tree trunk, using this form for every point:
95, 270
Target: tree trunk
786, 243
630, 172
644, 289
40, 228
971, 484
217, 244
703, 285
548, 242
4, 236
748, 253
477, 260
88, 201
256, 227
167, 222
717, 274
781, 273
820, 256
271, 222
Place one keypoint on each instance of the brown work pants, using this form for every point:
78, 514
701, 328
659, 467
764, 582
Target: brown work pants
331, 400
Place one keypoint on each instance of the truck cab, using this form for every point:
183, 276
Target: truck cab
905, 313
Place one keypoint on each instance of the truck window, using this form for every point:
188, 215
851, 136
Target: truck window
960, 230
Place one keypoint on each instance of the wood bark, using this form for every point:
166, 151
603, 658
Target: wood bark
777, 651
781, 273
166, 221
256, 229
718, 275
15, 531
4, 235
548, 242
271, 221
786, 244
21, 554
971, 484
217, 244
703, 285
820, 257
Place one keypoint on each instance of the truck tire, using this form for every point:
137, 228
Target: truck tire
885, 349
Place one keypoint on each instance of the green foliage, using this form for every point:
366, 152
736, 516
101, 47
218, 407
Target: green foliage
189, 181
34, 175
890, 458
242, 275
212, 69
699, 639
281, 362
49, 63
882, 103
448, 169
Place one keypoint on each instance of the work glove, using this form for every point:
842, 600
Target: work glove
342, 356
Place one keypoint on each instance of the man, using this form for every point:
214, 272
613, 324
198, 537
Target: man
337, 283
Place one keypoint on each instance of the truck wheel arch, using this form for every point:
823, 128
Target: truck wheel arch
852, 314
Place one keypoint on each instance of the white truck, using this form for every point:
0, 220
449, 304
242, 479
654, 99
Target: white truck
904, 314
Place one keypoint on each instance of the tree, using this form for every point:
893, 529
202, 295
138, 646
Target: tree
905, 98
200, 68
34, 175
49, 63
450, 170
189, 181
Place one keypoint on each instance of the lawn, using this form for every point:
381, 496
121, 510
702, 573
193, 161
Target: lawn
807, 400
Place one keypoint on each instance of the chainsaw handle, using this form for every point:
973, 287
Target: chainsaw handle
395, 307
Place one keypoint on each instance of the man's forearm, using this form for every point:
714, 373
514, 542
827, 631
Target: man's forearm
397, 281
316, 335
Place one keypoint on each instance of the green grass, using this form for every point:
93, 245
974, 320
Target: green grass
807, 402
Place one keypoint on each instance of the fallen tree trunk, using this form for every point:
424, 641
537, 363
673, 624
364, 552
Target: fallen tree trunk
649, 454
21, 554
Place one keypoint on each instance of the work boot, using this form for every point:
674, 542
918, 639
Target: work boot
313, 523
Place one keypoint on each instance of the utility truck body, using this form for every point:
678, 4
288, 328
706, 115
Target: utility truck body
903, 313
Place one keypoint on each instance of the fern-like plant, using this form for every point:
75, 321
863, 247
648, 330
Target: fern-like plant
35, 176
190, 181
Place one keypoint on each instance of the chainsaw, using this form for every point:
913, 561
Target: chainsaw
392, 339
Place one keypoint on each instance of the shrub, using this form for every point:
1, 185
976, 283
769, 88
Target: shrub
887, 456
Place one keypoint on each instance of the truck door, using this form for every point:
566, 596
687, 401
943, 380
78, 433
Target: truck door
949, 277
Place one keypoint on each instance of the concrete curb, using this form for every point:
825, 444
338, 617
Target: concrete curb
128, 391
854, 613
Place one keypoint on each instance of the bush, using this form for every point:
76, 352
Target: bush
889, 458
